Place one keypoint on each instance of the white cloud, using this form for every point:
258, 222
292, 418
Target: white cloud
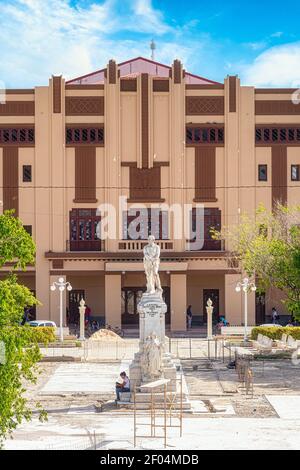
39, 38
278, 66
255, 46
149, 19
277, 34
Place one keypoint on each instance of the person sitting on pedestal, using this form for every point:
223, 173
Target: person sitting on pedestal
123, 385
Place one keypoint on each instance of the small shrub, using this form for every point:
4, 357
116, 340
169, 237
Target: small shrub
42, 334
274, 332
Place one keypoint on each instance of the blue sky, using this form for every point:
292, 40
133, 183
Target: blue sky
258, 40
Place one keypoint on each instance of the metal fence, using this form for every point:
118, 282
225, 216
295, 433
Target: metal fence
110, 350
181, 348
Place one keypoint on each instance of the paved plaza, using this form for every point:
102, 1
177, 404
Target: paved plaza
61, 432
85, 378
79, 399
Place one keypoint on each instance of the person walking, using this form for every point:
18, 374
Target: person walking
275, 316
189, 317
88, 312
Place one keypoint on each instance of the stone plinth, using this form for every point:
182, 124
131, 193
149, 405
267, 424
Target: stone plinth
152, 311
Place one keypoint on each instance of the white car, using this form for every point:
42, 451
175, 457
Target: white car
42, 323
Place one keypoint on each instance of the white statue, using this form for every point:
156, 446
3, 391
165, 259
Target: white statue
152, 357
151, 265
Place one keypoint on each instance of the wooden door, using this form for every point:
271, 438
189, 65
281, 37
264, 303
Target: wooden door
260, 308
74, 298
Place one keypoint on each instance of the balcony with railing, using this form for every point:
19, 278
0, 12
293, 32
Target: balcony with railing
85, 233
138, 245
85, 245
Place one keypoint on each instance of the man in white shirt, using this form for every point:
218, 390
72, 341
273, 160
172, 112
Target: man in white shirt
275, 316
123, 385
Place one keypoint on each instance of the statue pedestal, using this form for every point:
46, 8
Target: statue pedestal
152, 310
152, 362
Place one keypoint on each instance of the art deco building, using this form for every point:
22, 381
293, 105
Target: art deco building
153, 134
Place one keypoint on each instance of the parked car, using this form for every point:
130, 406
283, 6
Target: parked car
42, 323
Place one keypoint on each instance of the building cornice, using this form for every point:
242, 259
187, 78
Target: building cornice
128, 256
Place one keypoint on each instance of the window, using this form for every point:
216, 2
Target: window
28, 229
17, 135
277, 135
262, 173
205, 135
295, 172
85, 230
202, 224
86, 135
139, 224
27, 174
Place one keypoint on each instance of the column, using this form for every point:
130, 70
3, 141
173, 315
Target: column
113, 299
57, 164
178, 302
112, 144
232, 152
233, 300
43, 209
177, 169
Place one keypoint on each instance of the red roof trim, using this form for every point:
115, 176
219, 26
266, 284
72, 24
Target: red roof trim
203, 78
145, 59
85, 76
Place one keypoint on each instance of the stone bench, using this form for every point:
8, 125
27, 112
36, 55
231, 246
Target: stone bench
263, 343
287, 343
282, 343
235, 330
292, 343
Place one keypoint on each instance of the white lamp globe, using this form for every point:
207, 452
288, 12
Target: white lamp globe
61, 280
69, 287
238, 289
52, 288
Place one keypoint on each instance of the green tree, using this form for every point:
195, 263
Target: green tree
19, 351
267, 246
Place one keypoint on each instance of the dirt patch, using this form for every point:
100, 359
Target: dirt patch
105, 335
257, 407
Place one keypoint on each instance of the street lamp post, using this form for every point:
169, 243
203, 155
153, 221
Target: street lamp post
61, 285
247, 286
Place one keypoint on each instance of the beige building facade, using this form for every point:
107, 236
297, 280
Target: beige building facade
144, 135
